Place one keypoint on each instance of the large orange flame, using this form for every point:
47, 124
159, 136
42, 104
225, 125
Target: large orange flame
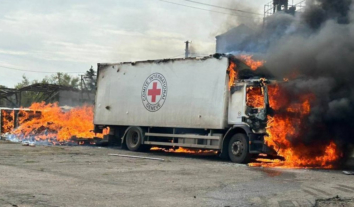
286, 126
54, 123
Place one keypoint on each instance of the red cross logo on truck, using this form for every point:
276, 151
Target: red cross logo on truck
154, 92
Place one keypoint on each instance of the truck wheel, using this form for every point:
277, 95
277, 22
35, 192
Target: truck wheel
238, 149
133, 139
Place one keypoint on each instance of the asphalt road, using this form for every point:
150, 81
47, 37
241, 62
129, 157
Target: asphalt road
87, 176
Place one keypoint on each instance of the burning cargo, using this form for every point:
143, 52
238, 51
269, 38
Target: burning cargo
168, 103
50, 124
11, 118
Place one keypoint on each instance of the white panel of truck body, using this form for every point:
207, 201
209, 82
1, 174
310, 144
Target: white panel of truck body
197, 94
237, 105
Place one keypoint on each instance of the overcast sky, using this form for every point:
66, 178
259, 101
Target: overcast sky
72, 35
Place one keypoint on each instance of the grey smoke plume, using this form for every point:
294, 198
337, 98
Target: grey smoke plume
317, 46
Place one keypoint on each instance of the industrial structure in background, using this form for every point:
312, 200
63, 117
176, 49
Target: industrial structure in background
244, 39
282, 6
50, 93
233, 39
14, 102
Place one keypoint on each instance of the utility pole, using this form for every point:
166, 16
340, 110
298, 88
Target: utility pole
187, 49
82, 89
59, 78
81, 80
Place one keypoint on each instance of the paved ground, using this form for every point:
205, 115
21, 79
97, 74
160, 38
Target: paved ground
87, 176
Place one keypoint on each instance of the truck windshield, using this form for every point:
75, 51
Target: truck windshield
255, 97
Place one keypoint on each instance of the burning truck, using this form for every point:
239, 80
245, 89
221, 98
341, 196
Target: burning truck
195, 103
215, 104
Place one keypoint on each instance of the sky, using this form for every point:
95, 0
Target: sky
48, 36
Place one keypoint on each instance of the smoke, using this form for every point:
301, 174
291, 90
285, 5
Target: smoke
315, 49
235, 18
318, 12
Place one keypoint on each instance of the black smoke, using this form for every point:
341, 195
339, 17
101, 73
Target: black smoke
315, 50
317, 47
320, 11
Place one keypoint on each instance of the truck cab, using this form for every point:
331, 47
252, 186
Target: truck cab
247, 114
248, 104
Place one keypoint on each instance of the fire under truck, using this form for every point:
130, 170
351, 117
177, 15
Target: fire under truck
190, 103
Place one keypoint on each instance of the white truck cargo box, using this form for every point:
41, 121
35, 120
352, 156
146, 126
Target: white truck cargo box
186, 93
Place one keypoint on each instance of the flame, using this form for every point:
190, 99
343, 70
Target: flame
53, 123
255, 97
184, 150
253, 64
7, 121
232, 74
23, 116
285, 129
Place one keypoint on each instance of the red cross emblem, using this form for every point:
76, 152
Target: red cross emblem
154, 92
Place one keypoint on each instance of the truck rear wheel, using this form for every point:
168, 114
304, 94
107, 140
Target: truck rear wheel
238, 149
134, 138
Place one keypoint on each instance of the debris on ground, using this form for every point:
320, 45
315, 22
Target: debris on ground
348, 172
334, 202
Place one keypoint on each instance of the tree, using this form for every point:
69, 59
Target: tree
29, 97
90, 79
62, 79
23, 83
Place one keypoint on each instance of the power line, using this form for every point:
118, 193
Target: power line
237, 10
203, 9
34, 71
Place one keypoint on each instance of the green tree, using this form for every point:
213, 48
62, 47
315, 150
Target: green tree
62, 79
90, 79
23, 83
29, 97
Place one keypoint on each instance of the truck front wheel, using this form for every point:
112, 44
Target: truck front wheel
134, 138
238, 149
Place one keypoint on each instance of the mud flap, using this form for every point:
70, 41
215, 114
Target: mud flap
109, 140
103, 142
269, 151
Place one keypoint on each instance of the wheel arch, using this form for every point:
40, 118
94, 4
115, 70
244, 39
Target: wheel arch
232, 131
126, 131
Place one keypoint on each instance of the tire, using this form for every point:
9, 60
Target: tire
238, 149
133, 139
